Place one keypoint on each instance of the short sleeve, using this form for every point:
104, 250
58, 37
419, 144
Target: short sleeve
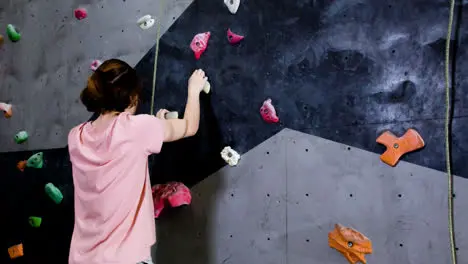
150, 133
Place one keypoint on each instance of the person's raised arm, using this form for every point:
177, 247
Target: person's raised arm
176, 129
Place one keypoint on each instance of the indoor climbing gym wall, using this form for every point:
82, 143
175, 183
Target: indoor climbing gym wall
322, 138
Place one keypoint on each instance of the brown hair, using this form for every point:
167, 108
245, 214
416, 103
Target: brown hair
114, 86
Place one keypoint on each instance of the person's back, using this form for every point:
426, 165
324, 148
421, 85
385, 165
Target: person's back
114, 215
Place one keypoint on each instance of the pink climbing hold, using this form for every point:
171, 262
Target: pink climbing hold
268, 112
6, 108
234, 38
200, 43
95, 64
175, 194
80, 13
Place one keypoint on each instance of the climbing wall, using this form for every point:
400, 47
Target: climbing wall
278, 205
344, 70
43, 74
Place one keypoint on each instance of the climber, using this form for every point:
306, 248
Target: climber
114, 214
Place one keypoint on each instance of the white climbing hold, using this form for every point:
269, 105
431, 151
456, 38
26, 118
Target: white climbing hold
232, 5
95, 64
230, 156
207, 87
146, 22
171, 115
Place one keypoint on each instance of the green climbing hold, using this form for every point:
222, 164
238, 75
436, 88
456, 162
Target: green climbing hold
54, 193
35, 221
21, 137
35, 161
13, 33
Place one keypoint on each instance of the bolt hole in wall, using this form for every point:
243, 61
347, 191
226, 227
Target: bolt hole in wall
350, 195
306, 150
401, 245
349, 148
268, 152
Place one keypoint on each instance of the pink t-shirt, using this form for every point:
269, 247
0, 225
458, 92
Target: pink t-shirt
114, 214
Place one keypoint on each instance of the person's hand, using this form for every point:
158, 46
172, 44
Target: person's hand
161, 114
196, 82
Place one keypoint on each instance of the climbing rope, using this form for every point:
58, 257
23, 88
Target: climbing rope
156, 52
447, 134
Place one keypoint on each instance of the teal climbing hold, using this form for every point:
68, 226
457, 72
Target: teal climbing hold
13, 33
35, 221
21, 137
35, 161
54, 193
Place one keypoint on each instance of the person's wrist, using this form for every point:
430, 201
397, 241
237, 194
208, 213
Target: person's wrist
193, 93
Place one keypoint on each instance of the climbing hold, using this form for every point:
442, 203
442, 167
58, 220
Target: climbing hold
234, 38
7, 109
171, 115
349, 242
207, 87
16, 251
81, 13
21, 137
268, 112
146, 22
36, 161
54, 193
95, 64
22, 165
200, 43
232, 5
2, 40
397, 147
35, 221
230, 156
175, 194
13, 33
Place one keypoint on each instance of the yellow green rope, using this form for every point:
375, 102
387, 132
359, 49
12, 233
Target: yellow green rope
447, 134
156, 52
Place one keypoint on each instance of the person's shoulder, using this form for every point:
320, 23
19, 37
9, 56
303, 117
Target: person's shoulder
73, 135
139, 119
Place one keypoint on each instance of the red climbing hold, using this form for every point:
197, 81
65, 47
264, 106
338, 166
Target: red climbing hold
174, 193
268, 112
80, 13
234, 38
95, 65
200, 43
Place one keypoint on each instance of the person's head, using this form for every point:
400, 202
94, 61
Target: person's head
114, 86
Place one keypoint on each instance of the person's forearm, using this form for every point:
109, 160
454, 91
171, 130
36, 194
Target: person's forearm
192, 114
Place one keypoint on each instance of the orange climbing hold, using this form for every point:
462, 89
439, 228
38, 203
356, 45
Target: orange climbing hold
16, 251
397, 147
349, 242
22, 165
6, 108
